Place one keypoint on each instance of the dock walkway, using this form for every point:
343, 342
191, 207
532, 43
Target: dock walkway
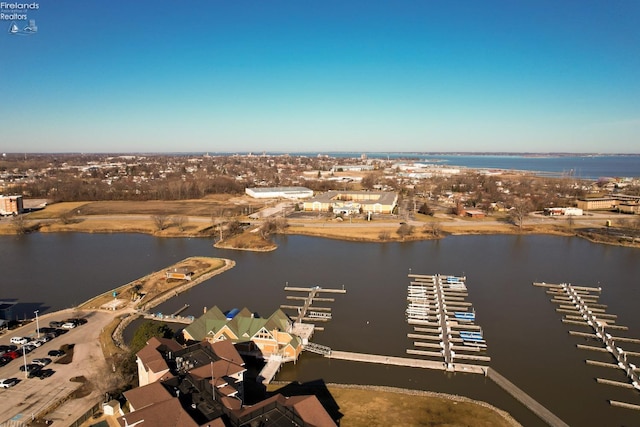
522, 397
270, 369
403, 361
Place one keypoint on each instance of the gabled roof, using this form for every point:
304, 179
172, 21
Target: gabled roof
217, 369
244, 324
149, 394
213, 319
167, 413
151, 355
278, 320
225, 350
308, 408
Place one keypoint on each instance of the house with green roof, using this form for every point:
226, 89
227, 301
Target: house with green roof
252, 335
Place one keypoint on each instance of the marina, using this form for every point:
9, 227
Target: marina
307, 311
445, 322
582, 299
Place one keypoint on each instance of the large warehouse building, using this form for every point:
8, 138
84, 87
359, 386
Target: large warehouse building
279, 192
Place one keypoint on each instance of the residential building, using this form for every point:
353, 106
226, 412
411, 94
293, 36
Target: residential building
351, 201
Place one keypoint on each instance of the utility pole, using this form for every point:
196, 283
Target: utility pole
37, 323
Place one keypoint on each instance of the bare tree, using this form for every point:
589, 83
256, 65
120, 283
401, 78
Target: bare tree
435, 228
161, 221
404, 230
519, 211
19, 224
267, 227
180, 221
281, 224
384, 235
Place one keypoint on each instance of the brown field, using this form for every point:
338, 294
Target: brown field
213, 205
368, 406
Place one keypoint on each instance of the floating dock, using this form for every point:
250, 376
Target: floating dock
580, 305
438, 310
307, 311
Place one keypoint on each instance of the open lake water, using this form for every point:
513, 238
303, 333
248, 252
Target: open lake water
526, 339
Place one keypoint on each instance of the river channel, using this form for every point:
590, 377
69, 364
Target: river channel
526, 339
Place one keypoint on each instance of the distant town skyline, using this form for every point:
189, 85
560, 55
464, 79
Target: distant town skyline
291, 76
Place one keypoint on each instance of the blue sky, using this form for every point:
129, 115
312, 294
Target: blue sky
269, 75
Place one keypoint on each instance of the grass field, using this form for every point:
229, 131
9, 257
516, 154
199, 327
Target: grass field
371, 406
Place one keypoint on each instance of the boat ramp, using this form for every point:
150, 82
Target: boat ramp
580, 306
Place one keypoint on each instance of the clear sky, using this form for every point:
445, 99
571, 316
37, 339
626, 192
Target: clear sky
321, 75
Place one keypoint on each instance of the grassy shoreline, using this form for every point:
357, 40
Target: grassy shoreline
360, 231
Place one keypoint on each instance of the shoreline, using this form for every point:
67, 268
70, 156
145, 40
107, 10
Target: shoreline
374, 232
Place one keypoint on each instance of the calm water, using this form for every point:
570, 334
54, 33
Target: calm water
586, 167
527, 342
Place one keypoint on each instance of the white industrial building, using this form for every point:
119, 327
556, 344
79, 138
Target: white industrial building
279, 192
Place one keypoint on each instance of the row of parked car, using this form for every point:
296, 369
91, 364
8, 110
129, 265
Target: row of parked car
27, 345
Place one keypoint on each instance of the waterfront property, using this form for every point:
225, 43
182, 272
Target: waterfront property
253, 335
349, 202
203, 384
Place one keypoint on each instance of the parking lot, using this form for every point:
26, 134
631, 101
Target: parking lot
32, 397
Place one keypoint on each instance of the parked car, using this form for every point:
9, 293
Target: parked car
5, 348
8, 382
4, 360
19, 340
55, 324
43, 361
27, 348
68, 325
55, 353
41, 373
12, 354
29, 367
77, 320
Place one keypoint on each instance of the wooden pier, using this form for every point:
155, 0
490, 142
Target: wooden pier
526, 400
582, 308
403, 361
306, 311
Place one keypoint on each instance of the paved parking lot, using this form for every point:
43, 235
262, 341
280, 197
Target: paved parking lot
32, 396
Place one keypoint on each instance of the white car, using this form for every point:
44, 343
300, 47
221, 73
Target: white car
68, 325
8, 382
19, 340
